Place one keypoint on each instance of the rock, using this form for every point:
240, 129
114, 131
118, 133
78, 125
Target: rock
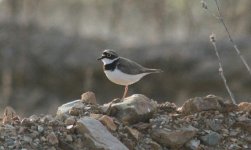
167, 107
70, 120
27, 139
174, 139
52, 138
34, 118
215, 124
199, 104
248, 139
211, 139
40, 128
134, 109
46, 118
141, 126
245, 106
26, 122
133, 132
193, 144
95, 116
97, 136
75, 111
244, 124
68, 138
89, 97
155, 145
108, 122
65, 108
9, 114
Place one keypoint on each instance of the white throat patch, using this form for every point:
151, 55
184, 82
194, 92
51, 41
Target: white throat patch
108, 61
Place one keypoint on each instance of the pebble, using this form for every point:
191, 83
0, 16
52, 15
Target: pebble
40, 128
52, 138
27, 139
211, 139
69, 138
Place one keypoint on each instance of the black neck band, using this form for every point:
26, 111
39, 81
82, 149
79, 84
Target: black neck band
111, 66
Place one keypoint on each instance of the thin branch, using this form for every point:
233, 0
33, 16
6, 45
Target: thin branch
231, 39
221, 72
220, 18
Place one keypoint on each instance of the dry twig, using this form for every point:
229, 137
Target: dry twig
220, 18
221, 72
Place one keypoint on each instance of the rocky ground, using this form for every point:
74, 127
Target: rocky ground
135, 123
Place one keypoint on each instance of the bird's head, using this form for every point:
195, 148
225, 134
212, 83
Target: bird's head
108, 56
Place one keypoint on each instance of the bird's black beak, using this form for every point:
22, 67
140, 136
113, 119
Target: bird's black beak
101, 57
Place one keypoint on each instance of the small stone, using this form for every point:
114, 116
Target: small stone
174, 139
69, 138
89, 97
21, 130
34, 118
9, 142
27, 139
244, 124
26, 122
133, 132
70, 120
69, 127
74, 111
245, 106
234, 146
95, 116
40, 129
215, 124
52, 138
211, 139
248, 139
154, 145
134, 109
193, 144
108, 122
9, 114
141, 126
52, 148
43, 139
46, 119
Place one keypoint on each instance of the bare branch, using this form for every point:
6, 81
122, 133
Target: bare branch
230, 38
221, 72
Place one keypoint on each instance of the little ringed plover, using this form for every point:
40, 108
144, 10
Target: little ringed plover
123, 71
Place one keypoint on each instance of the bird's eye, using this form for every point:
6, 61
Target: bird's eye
109, 55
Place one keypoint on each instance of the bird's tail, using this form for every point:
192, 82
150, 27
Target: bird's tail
154, 71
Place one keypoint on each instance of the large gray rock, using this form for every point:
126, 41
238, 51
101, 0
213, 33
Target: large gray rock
97, 136
173, 139
134, 109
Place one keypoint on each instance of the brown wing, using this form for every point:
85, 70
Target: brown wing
131, 67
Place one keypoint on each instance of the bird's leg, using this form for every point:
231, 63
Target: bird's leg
125, 92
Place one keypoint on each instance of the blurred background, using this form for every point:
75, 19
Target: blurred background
48, 50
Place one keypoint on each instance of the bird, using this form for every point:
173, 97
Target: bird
123, 71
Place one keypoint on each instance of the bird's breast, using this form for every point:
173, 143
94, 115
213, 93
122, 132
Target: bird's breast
121, 78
